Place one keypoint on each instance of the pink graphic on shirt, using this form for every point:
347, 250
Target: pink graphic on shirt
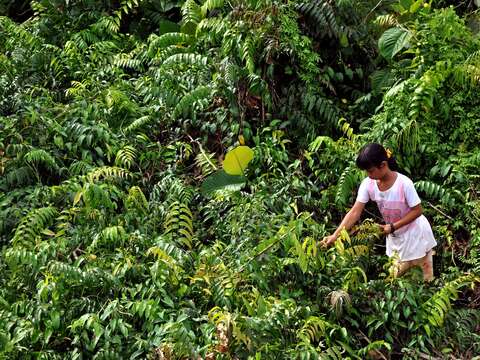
392, 210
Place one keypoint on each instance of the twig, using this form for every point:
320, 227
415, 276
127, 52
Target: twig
440, 211
372, 214
373, 9
369, 341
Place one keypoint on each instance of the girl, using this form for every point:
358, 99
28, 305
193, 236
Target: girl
408, 232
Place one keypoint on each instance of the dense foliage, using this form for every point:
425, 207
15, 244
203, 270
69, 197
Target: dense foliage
114, 113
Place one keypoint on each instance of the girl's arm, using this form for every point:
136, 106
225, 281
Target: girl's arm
348, 221
414, 213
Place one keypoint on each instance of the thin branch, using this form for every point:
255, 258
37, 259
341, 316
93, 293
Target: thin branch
372, 10
439, 211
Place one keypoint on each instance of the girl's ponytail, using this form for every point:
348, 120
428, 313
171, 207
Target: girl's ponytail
392, 163
373, 155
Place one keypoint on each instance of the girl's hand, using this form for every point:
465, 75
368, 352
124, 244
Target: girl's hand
327, 241
386, 229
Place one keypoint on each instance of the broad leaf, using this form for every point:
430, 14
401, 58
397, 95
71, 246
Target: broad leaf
237, 160
222, 181
392, 41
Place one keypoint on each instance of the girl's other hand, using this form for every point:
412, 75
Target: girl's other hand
327, 241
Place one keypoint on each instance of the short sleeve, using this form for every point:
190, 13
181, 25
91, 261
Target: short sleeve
363, 195
411, 195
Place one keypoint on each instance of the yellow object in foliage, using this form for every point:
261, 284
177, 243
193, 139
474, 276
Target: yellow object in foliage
241, 139
237, 160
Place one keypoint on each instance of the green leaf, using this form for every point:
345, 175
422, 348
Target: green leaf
415, 6
168, 301
392, 41
344, 40
221, 180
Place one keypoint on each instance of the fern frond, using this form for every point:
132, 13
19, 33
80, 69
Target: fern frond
126, 6
108, 172
187, 58
206, 162
408, 137
40, 156
94, 196
436, 191
125, 61
316, 144
215, 27
77, 89
32, 225
315, 329
17, 255
165, 258
179, 224
175, 252
346, 185
332, 353
198, 98
425, 92
354, 277
209, 5
191, 16
373, 347
165, 40
176, 153
322, 17
346, 129
434, 310
138, 124
172, 189
468, 73
248, 54
17, 149
231, 72
90, 280
136, 200
108, 24
380, 80
159, 58
126, 157
386, 21
19, 176
322, 107
79, 167
114, 235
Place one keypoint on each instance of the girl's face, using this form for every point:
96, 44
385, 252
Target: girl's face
378, 172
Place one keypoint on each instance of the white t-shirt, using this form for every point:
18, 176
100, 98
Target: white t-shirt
411, 241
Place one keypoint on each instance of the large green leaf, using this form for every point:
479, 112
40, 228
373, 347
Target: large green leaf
392, 41
222, 181
237, 160
381, 79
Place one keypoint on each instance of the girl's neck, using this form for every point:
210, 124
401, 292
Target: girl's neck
390, 177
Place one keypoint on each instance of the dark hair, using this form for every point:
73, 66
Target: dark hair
372, 155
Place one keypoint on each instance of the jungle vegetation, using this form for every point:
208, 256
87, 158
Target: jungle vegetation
122, 237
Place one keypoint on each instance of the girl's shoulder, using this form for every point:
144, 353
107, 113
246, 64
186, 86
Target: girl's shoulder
404, 179
367, 183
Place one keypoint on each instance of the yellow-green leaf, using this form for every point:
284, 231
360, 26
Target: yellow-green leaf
237, 160
78, 196
48, 232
